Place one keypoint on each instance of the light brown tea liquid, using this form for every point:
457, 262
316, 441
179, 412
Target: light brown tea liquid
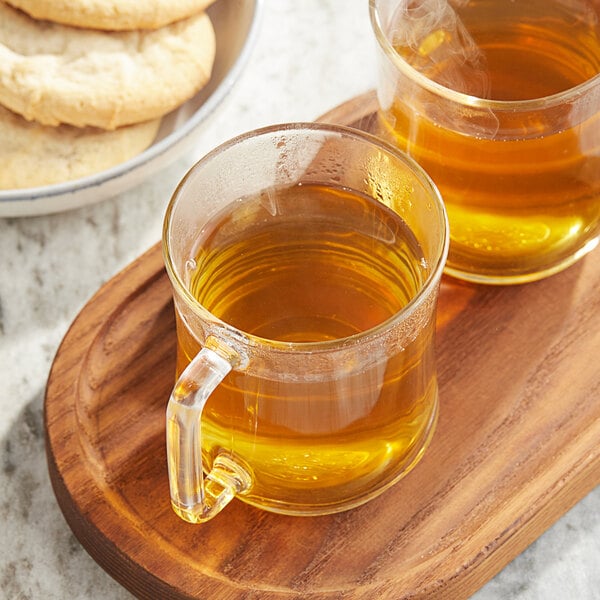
310, 264
523, 203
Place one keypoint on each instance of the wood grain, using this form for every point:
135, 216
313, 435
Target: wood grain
516, 446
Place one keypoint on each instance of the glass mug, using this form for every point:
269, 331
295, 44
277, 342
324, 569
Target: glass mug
305, 262
499, 101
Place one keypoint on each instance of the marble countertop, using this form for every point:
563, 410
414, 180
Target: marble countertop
310, 56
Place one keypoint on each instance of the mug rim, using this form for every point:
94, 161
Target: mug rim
408, 309
468, 100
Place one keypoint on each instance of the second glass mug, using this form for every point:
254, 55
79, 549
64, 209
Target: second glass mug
499, 101
305, 262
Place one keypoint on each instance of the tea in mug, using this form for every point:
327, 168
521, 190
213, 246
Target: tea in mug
307, 264
521, 183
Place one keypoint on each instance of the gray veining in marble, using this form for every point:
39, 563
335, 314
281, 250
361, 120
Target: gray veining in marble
311, 56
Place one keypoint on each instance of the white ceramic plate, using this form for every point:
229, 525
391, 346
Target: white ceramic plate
236, 25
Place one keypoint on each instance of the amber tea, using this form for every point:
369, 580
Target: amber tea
516, 154
305, 261
307, 264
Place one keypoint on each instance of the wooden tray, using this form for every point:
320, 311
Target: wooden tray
517, 445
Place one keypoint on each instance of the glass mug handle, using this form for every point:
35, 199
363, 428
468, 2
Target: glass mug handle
193, 498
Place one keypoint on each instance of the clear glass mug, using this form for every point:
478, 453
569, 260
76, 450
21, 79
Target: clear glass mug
305, 262
499, 101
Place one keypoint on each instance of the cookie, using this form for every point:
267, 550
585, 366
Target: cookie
33, 155
113, 15
55, 74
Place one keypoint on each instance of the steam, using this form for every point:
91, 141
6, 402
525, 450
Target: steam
430, 35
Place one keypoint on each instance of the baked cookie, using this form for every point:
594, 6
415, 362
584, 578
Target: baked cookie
33, 155
113, 15
56, 74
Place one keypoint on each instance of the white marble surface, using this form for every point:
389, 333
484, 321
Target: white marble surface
311, 55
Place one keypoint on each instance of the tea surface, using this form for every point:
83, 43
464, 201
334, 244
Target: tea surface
307, 264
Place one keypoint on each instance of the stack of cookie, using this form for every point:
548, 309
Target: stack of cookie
84, 83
